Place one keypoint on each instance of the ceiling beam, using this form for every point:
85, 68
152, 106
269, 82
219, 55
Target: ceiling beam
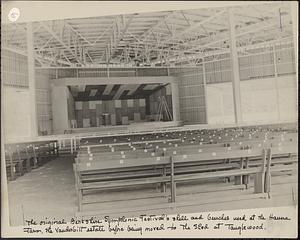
62, 43
192, 27
78, 33
158, 23
120, 37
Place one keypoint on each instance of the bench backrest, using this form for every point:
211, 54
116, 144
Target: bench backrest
121, 163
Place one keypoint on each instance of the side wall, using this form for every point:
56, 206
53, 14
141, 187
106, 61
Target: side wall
43, 101
15, 106
263, 101
191, 91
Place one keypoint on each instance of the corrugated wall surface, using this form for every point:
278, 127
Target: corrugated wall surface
191, 87
14, 73
43, 101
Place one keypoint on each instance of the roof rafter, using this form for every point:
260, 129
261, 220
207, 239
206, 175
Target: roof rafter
59, 40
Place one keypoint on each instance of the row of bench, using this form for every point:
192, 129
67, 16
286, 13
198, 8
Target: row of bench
22, 157
207, 135
96, 168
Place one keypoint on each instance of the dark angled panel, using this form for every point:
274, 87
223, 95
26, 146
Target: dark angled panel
138, 90
114, 91
143, 93
124, 95
161, 87
101, 89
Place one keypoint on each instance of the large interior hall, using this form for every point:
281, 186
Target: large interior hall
180, 109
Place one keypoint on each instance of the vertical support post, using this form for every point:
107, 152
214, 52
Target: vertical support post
173, 184
31, 80
71, 143
259, 180
28, 167
12, 167
235, 70
246, 178
239, 179
295, 20
163, 185
276, 81
205, 90
75, 143
267, 186
175, 101
34, 157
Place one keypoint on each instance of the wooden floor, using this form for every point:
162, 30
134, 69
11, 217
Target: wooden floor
50, 191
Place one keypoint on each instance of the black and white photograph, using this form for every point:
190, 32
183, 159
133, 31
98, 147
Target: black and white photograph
149, 119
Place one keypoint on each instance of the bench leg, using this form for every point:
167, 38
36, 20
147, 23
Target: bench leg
12, 172
238, 180
173, 192
267, 184
163, 185
20, 168
28, 167
246, 180
79, 200
172, 182
259, 180
35, 162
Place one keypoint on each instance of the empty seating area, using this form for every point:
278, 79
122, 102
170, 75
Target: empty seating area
22, 157
165, 160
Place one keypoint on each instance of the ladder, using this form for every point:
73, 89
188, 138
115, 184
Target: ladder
163, 105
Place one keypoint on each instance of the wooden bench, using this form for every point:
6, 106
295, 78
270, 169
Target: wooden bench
21, 158
92, 175
235, 155
99, 170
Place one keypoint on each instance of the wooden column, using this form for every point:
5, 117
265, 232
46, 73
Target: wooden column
276, 82
205, 91
31, 80
175, 101
295, 20
235, 70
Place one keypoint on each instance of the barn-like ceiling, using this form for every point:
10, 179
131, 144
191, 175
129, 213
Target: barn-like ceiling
150, 39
